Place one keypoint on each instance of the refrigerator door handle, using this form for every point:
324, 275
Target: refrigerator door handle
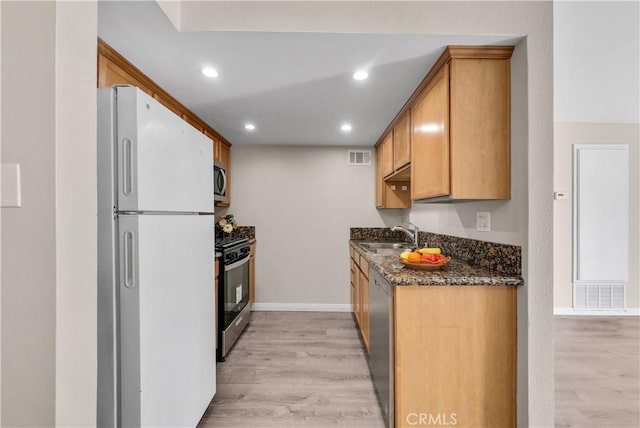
129, 264
127, 185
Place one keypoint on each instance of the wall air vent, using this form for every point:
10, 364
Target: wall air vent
598, 296
359, 157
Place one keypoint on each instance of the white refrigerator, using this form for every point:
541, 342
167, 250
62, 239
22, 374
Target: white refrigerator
156, 323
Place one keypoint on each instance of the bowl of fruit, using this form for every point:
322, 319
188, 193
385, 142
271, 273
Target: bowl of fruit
424, 258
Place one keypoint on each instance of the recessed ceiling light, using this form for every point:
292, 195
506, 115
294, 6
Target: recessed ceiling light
210, 72
249, 127
346, 127
360, 75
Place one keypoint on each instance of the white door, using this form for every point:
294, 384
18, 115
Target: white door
601, 225
167, 322
164, 164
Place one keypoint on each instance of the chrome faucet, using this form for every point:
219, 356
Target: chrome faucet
412, 233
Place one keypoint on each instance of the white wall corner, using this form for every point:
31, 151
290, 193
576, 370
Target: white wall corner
172, 8
76, 30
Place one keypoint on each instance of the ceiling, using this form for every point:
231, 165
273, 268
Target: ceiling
297, 88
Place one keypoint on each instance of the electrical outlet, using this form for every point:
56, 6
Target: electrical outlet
483, 221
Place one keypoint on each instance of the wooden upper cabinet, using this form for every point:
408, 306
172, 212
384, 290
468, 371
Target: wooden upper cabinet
387, 155
379, 179
215, 142
392, 193
460, 127
402, 142
193, 121
110, 73
430, 139
480, 134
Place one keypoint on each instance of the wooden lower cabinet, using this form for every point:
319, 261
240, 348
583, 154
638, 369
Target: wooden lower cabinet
356, 294
360, 293
455, 356
364, 307
252, 273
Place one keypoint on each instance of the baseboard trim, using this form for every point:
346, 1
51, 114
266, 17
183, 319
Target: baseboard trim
634, 312
301, 307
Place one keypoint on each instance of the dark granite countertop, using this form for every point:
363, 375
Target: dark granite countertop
456, 272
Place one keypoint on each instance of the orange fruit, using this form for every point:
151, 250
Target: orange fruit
414, 257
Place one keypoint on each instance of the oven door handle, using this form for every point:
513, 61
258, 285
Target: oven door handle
237, 264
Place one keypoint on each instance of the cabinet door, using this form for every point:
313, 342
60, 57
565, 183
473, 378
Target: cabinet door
402, 142
216, 145
352, 285
379, 179
430, 140
364, 309
356, 294
455, 351
480, 131
387, 155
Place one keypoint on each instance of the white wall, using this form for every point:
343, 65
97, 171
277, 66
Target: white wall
303, 200
48, 365
596, 63
0, 217
533, 19
76, 207
28, 233
596, 99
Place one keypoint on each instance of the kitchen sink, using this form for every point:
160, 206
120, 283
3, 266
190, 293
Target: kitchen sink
385, 247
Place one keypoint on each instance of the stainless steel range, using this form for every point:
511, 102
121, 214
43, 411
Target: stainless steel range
233, 292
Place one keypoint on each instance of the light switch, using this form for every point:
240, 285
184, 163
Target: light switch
559, 196
11, 186
483, 221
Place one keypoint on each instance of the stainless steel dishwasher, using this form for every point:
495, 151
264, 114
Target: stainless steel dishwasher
381, 361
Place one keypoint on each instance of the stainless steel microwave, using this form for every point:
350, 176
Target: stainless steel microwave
219, 181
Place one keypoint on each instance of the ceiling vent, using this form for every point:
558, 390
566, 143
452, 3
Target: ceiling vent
359, 157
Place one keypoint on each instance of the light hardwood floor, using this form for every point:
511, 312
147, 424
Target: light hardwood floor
298, 370
597, 365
